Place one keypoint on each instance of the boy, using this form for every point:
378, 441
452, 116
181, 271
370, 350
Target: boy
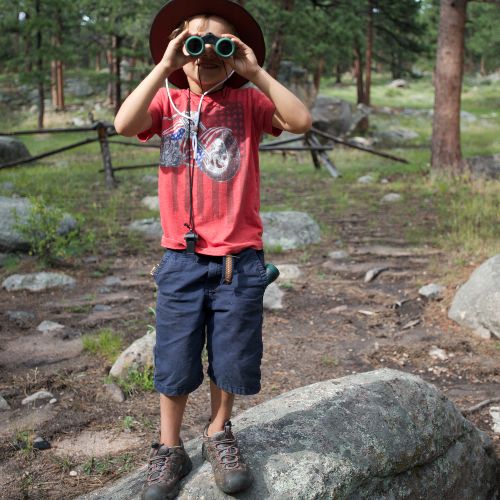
211, 279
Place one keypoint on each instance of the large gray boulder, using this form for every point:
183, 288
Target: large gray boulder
332, 115
475, 305
12, 149
299, 81
487, 167
16, 211
150, 228
378, 435
289, 230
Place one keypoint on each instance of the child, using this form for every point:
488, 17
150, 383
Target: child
211, 279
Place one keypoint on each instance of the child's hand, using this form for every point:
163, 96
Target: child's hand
175, 57
244, 61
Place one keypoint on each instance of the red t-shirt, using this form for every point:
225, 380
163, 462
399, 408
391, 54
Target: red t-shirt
226, 186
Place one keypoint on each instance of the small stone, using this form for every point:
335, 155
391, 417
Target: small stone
49, 326
391, 198
273, 297
151, 202
101, 307
73, 473
366, 179
338, 255
438, 353
432, 291
37, 396
3, 404
41, 444
115, 392
104, 289
22, 319
52, 401
92, 259
112, 281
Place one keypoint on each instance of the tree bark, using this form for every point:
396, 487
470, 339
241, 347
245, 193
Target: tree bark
117, 73
369, 52
278, 41
446, 150
358, 72
41, 90
320, 68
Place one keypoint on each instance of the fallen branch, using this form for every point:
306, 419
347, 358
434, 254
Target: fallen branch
480, 405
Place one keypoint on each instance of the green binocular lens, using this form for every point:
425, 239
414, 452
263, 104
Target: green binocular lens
224, 47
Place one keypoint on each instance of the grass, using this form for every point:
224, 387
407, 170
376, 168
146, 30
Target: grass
137, 380
106, 343
108, 465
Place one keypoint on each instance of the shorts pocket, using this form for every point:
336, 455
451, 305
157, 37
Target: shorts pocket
157, 269
261, 265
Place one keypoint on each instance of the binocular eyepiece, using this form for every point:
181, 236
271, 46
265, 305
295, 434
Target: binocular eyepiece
224, 47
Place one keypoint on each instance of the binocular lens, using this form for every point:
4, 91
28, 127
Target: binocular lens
195, 45
224, 47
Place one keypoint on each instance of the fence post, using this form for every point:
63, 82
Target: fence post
102, 132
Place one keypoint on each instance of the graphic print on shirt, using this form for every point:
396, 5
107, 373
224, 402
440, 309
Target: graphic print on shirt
217, 150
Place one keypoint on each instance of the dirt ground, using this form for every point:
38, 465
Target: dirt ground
333, 324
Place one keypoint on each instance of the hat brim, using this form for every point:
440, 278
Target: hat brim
172, 14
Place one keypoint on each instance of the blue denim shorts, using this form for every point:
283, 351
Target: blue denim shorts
195, 306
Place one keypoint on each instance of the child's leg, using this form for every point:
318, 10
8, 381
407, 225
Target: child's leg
171, 413
222, 406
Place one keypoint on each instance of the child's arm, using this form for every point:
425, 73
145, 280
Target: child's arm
291, 113
133, 116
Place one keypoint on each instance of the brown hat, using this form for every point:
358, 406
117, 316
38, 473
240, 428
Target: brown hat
173, 13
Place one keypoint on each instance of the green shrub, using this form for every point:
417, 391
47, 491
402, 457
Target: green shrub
42, 232
137, 380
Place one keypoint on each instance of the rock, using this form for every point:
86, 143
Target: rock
495, 415
394, 138
101, 308
22, 319
78, 87
14, 211
12, 149
7, 186
36, 282
467, 117
289, 230
112, 281
114, 392
366, 179
41, 444
371, 274
365, 142
299, 81
432, 291
96, 444
438, 353
37, 397
73, 473
138, 355
475, 305
288, 272
49, 326
3, 404
391, 198
273, 297
332, 115
398, 84
393, 251
150, 228
484, 167
151, 202
53, 401
78, 122
384, 434
338, 255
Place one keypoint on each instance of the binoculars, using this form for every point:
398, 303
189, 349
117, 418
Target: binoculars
224, 47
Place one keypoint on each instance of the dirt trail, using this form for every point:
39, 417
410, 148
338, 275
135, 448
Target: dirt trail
333, 324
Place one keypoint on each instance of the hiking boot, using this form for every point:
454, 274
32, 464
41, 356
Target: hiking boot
167, 466
221, 450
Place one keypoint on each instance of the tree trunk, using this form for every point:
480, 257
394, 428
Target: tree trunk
60, 85
41, 90
117, 73
482, 67
446, 151
338, 74
320, 68
278, 40
358, 72
53, 83
369, 52
109, 58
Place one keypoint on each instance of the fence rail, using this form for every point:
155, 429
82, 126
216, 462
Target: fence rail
309, 142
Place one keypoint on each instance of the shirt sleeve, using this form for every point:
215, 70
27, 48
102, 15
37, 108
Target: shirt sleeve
263, 110
156, 109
